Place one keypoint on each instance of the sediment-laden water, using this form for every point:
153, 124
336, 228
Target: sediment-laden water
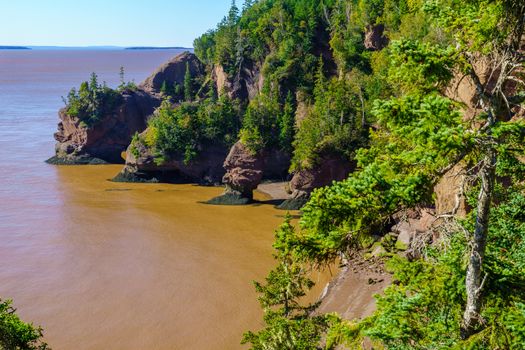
104, 265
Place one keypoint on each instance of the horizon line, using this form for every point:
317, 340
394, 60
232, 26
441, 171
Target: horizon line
99, 46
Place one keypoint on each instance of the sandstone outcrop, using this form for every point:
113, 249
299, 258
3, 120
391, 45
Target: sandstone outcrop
173, 72
140, 166
329, 169
104, 141
245, 170
245, 85
107, 139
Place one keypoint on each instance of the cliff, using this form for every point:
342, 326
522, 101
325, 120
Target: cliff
103, 142
231, 112
239, 118
106, 139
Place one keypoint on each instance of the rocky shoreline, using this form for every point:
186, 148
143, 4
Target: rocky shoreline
111, 140
351, 293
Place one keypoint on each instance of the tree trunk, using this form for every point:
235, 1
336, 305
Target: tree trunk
474, 281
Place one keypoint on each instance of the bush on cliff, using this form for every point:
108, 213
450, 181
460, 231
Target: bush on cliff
423, 309
286, 40
337, 122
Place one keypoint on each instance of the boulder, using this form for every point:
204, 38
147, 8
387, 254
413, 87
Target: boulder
411, 225
244, 172
106, 140
330, 168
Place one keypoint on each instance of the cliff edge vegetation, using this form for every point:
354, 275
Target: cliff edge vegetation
448, 105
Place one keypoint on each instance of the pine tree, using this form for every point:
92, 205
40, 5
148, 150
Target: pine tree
233, 14
164, 88
288, 325
121, 76
188, 84
247, 5
287, 124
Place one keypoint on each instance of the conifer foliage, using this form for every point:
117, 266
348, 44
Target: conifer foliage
464, 289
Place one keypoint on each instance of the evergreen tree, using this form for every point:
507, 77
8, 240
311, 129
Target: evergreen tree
188, 84
122, 80
91, 101
287, 124
233, 14
288, 325
247, 5
164, 88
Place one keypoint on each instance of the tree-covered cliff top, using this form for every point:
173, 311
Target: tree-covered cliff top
445, 93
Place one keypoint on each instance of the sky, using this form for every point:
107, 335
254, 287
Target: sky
108, 22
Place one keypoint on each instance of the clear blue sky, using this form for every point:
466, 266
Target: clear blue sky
108, 22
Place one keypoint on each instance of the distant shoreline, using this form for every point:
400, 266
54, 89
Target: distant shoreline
157, 48
77, 48
14, 48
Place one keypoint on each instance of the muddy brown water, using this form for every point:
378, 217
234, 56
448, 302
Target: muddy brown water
138, 266
101, 265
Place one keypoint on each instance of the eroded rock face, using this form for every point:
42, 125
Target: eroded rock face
246, 85
173, 72
206, 169
374, 37
329, 169
462, 88
244, 172
107, 139
449, 191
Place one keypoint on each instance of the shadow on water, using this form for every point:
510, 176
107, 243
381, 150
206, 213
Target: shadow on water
274, 202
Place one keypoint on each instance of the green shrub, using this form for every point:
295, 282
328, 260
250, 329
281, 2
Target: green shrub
288, 324
184, 130
15, 334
